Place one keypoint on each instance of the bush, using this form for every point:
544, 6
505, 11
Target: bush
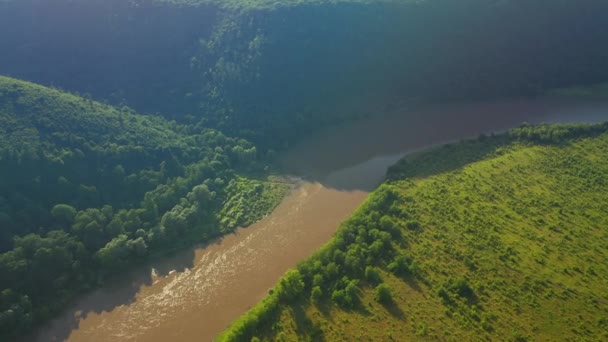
383, 294
291, 285
413, 225
372, 275
64, 213
400, 266
347, 297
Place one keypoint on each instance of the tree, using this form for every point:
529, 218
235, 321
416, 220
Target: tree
318, 280
291, 285
400, 266
111, 256
383, 294
244, 156
64, 213
174, 222
372, 275
316, 294
201, 194
115, 227
138, 246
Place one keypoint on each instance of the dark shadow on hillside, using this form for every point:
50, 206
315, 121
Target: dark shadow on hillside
368, 175
394, 310
304, 325
359, 307
324, 306
411, 281
356, 155
445, 158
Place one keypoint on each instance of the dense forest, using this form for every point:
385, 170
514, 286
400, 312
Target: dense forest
129, 129
273, 71
499, 236
87, 189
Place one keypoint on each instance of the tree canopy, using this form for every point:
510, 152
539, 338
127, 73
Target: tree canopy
89, 189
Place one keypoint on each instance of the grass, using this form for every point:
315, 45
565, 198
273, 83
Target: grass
508, 242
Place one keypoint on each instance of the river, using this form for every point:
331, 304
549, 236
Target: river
195, 294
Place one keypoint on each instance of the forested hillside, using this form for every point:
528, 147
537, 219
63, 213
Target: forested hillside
273, 71
503, 237
86, 189
152, 124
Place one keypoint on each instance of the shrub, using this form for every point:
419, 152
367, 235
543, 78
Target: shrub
64, 213
413, 225
400, 266
372, 275
291, 285
383, 294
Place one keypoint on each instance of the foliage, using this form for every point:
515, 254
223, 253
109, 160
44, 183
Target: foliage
89, 189
509, 231
262, 70
274, 71
383, 294
247, 200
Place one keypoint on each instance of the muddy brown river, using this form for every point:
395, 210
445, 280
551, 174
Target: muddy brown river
195, 294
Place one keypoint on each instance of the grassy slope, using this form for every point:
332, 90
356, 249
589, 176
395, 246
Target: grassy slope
510, 244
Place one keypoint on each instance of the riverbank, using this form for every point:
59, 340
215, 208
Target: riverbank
212, 286
482, 239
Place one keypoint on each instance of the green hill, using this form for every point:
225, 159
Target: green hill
87, 189
274, 71
503, 237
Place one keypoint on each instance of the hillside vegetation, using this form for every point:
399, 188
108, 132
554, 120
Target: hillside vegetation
274, 71
152, 124
504, 237
87, 189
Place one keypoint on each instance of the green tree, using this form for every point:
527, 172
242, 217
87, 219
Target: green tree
372, 275
316, 294
64, 213
201, 194
138, 246
112, 255
383, 294
291, 285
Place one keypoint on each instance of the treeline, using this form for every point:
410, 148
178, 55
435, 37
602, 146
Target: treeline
555, 134
273, 72
336, 273
87, 189
443, 224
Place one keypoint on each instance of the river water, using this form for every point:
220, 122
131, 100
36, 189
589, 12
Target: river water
197, 293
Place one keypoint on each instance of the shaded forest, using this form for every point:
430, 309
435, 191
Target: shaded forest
87, 189
273, 72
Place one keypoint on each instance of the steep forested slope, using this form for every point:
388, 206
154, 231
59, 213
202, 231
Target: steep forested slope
503, 237
275, 70
86, 189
